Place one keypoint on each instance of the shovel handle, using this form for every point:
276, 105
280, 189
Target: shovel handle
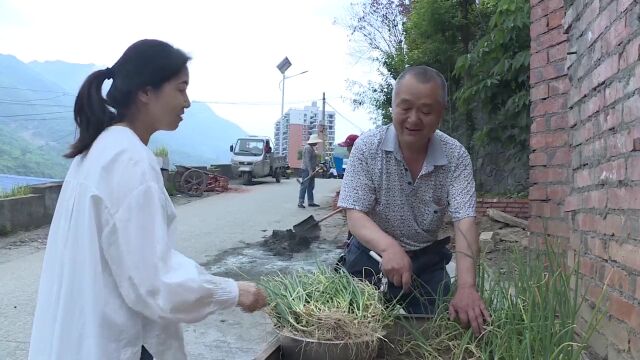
329, 215
310, 175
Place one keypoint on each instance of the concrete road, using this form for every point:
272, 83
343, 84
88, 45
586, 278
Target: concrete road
210, 231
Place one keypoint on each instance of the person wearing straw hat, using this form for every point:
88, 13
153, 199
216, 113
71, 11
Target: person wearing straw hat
309, 166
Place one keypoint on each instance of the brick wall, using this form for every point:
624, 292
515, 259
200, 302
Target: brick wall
513, 207
601, 215
550, 159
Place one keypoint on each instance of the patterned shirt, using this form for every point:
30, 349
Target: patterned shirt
379, 183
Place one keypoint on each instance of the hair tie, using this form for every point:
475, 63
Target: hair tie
109, 73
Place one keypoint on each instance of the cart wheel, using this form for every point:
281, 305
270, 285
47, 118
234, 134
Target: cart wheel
194, 182
246, 178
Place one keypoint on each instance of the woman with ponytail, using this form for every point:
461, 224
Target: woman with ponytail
112, 286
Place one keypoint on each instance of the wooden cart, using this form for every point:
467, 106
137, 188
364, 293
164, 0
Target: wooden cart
195, 181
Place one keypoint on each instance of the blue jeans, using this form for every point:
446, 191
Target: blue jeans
430, 285
306, 188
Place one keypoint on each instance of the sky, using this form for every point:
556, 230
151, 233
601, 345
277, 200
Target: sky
235, 46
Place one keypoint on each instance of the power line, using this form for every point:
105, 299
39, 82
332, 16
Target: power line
38, 114
344, 117
48, 143
11, 102
43, 119
63, 93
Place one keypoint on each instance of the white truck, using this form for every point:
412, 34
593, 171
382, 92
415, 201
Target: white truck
253, 157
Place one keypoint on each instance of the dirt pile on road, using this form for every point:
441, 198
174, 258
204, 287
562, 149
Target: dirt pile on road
287, 242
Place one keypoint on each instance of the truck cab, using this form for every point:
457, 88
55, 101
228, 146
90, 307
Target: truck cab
253, 157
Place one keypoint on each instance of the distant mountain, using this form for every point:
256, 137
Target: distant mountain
36, 121
69, 76
203, 138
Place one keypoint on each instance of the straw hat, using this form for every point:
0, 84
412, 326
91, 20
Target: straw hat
314, 139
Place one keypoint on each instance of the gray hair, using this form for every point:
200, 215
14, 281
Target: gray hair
423, 74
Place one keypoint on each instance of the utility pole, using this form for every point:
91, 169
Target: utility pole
321, 125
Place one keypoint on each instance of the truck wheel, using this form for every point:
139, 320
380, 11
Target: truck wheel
246, 178
278, 175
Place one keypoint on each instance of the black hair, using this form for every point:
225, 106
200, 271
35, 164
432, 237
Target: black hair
146, 63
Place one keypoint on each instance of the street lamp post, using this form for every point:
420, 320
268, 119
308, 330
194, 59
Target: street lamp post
283, 66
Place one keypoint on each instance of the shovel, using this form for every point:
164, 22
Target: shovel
311, 223
308, 177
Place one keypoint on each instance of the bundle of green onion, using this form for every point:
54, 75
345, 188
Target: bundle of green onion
326, 305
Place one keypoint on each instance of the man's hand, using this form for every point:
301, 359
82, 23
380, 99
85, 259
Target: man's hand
250, 297
469, 308
396, 265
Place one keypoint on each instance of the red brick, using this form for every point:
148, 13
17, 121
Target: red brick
572, 203
561, 157
613, 92
638, 294
559, 86
589, 222
614, 36
552, 71
538, 192
558, 193
539, 125
613, 225
555, 19
539, 175
536, 76
623, 5
538, 27
594, 199
575, 240
588, 15
594, 293
583, 178
592, 106
537, 141
612, 171
630, 53
624, 198
624, 310
583, 133
631, 109
558, 228
596, 246
573, 117
556, 139
537, 159
539, 59
536, 225
539, 11
551, 105
560, 121
558, 52
618, 279
611, 119
602, 21
619, 144
633, 168
607, 69
540, 91
544, 8
587, 267
626, 254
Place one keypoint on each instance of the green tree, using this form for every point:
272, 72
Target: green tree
498, 81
